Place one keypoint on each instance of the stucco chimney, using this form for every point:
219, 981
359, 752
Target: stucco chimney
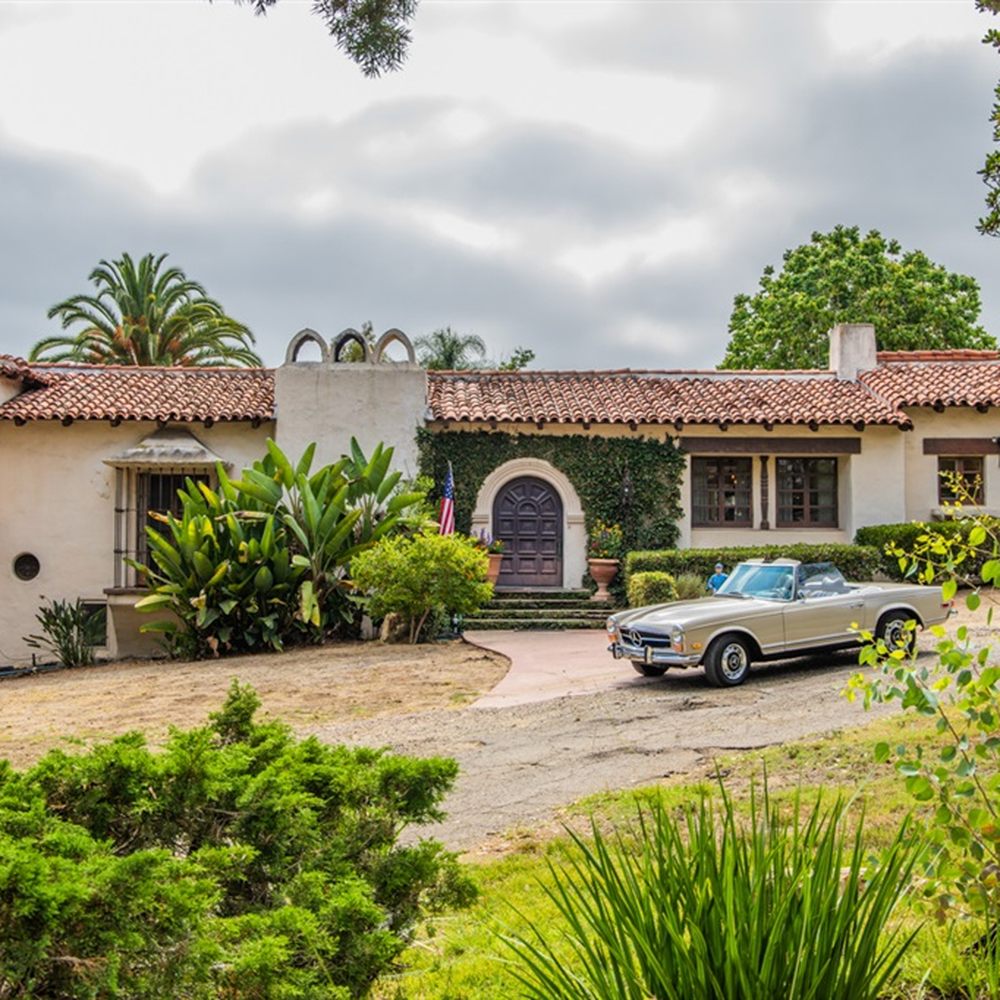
852, 349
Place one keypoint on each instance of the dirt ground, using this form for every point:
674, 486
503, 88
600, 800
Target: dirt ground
519, 764
306, 687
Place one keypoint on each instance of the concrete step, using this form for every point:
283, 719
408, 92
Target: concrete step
541, 595
594, 612
527, 624
555, 603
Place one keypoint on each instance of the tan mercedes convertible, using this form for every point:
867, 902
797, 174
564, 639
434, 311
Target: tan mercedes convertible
765, 611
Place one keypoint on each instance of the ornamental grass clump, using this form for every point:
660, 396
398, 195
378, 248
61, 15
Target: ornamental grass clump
704, 905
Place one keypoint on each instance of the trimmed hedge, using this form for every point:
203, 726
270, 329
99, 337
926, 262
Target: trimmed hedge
651, 588
905, 535
856, 562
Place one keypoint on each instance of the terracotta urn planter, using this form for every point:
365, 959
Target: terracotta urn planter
493, 573
603, 571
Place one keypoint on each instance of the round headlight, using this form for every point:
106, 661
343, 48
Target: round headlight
611, 626
677, 638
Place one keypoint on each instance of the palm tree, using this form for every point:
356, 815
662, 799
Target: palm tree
446, 350
144, 316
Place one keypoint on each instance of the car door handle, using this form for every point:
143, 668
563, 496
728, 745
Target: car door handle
859, 604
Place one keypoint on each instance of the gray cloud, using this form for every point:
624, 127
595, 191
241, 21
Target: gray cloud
892, 145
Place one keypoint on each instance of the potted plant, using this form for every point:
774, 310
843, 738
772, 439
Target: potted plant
494, 549
604, 550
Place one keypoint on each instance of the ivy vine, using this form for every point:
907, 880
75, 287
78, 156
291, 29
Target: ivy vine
634, 482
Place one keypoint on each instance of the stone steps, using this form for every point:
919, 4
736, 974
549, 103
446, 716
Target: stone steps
544, 610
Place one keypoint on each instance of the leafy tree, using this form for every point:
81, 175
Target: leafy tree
846, 277
374, 34
448, 350
989, 224
237, 862
519, 358
144, 314
414, 577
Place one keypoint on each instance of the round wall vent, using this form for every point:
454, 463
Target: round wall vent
26, 566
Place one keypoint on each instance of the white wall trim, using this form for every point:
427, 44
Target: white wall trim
574, 529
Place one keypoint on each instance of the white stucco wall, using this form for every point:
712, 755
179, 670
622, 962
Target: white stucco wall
922, 470
869, 483
57, 501
330, 403
8, 389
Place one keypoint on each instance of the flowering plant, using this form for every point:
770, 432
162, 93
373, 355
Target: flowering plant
486, 541
606, 541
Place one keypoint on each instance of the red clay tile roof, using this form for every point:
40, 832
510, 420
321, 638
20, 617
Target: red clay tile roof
959, 383
961, 354
654, 398
91, 392
18, 370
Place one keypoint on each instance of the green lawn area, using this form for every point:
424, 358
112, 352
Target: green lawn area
461, 957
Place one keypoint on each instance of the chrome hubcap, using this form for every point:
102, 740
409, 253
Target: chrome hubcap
895, 633
734, 661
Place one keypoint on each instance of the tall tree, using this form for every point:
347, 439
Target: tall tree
375, 34
989, 224
145, 314
846, 277
447, 350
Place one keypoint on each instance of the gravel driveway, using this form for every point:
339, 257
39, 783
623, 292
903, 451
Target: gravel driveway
520, 763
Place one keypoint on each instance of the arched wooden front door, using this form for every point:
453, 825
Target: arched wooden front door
528, 519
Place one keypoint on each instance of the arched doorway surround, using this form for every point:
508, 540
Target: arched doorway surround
574, 534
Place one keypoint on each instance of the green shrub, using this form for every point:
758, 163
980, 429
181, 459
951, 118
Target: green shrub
69, 632
262, 561
905, 536
237, 862
856, 562
690, 587
651, 588
713, 906
414, 577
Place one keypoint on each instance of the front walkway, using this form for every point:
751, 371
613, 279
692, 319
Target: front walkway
547, 665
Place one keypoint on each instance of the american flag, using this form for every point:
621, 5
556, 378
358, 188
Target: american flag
446, 517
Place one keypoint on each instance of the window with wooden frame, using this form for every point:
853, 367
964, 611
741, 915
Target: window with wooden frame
807, 492
960, 479
139, 494
721, 492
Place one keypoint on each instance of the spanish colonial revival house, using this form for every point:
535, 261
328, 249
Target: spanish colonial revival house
763, 456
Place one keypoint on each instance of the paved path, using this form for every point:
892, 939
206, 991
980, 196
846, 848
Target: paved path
547, 665
568, 721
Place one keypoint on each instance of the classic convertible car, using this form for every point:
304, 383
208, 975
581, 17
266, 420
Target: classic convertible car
769, 610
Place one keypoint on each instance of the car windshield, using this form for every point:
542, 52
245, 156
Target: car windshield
770, 581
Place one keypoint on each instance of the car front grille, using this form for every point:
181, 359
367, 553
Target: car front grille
643, 637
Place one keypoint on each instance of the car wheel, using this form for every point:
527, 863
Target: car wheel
727, 661
892, 630
648, 669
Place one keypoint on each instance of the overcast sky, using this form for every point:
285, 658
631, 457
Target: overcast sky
595, 180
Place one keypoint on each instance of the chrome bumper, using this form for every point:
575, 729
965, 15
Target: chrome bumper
647, 654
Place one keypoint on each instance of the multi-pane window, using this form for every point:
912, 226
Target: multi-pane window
721, 491
138, 493
807, 492
960, 480
156, 493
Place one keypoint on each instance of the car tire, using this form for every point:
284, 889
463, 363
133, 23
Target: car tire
727, 662
648, 669
891, 629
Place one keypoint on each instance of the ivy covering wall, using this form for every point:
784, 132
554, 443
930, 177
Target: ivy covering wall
634, 482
